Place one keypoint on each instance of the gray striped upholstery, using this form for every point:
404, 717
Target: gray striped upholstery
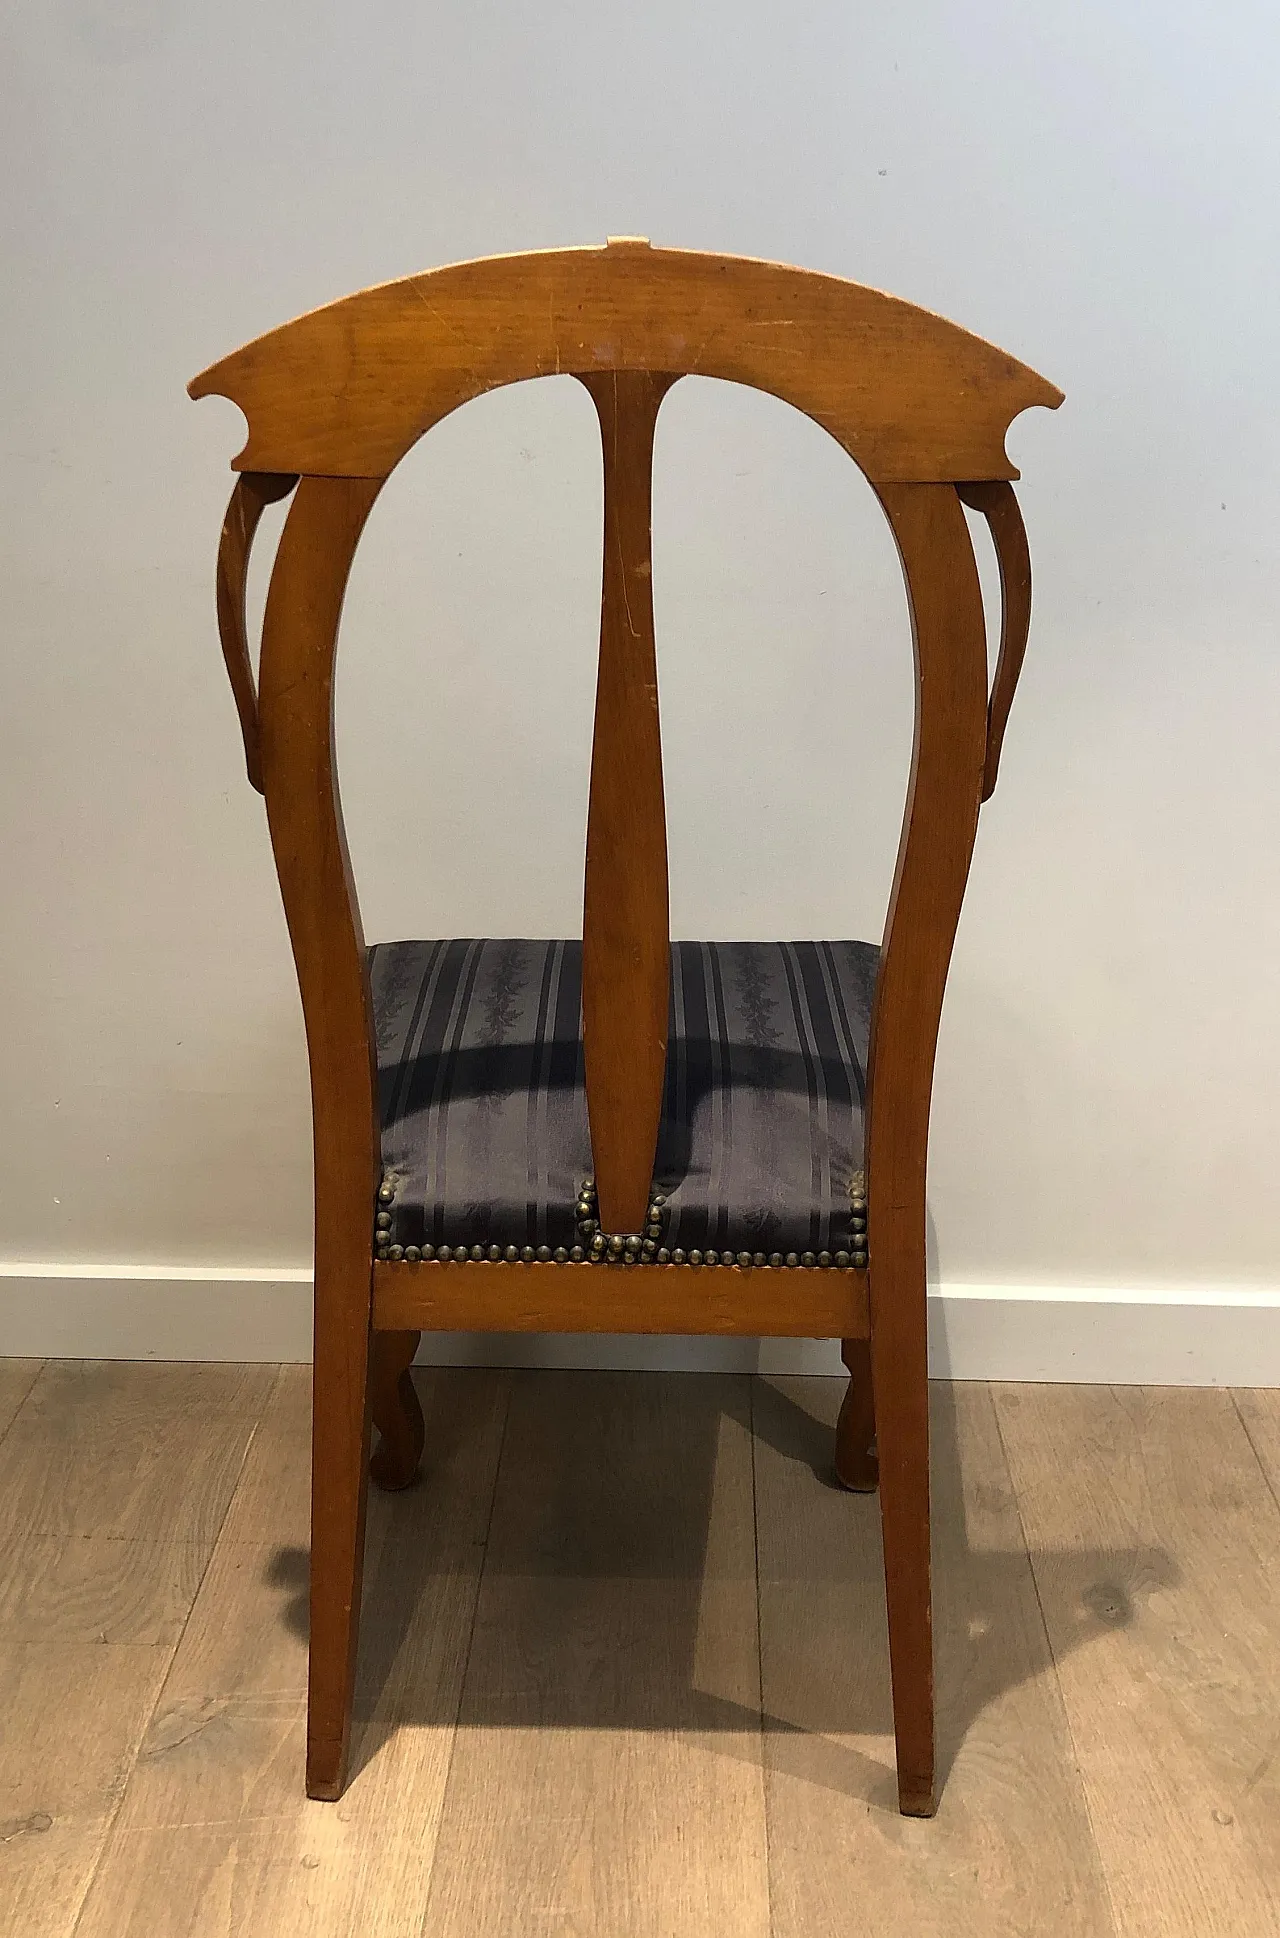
484, 1118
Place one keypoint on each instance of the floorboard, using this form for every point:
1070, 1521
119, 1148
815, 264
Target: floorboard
1156, 1546
624, 1669
215, 1834
606, 1776
1010, 1850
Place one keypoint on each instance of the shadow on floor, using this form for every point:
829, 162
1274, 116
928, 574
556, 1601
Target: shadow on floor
632, 1517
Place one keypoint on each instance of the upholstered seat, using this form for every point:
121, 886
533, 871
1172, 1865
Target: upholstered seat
485, 1142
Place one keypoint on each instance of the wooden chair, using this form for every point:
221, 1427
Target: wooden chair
612, 1076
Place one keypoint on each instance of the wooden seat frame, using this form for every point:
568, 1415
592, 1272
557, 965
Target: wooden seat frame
333, 401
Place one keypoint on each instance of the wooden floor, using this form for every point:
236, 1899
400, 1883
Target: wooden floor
624, 1666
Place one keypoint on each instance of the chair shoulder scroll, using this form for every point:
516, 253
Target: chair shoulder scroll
254, 491
998, 503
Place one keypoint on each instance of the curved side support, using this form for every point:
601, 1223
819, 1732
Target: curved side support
305, 817
626, 930
998, 503
254, 491
933, 863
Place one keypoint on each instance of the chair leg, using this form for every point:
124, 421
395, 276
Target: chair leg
396, 1412
339, 1490
899, 1362
856, 1465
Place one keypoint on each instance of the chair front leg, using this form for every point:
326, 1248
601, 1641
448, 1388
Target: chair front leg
856, 1465
396, 1411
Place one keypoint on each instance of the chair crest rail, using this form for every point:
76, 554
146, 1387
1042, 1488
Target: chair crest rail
348, 389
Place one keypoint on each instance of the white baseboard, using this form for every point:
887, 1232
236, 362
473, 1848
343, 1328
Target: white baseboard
1119, 1335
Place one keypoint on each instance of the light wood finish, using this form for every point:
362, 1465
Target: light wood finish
609, 1774
737, 1300
97, 1543
998, 504
939, 825
1156, 1546
339, 397
348, 389
214, 1834
1011, 1850
72, 1715
17, 1377
304, 810
1259, 1411
606, 1777
626, 930
254, 491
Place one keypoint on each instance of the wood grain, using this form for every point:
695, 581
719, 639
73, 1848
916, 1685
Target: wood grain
606, 1777
116, 1481
71, 1717
215, 1835
304, 811
1156, 1546
732, 1300
17, 1377
1010, 1851
348, 389
626, 933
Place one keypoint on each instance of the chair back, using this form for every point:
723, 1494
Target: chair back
335, 399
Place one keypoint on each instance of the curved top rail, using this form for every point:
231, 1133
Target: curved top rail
346, 390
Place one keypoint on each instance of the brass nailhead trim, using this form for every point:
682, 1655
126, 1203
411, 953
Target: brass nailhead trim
632, 1248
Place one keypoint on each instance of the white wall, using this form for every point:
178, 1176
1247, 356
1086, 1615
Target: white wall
1095, 187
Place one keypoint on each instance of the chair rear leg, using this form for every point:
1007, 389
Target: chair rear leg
856, 1465
396, 1412
899, 1362
339, 1490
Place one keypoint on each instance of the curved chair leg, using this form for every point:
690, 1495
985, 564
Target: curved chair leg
396, 1412
900, 1379
857, 1467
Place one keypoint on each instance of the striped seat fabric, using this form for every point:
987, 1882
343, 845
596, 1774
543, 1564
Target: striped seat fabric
484, 1116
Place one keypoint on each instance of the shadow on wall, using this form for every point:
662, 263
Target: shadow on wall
618, 1583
